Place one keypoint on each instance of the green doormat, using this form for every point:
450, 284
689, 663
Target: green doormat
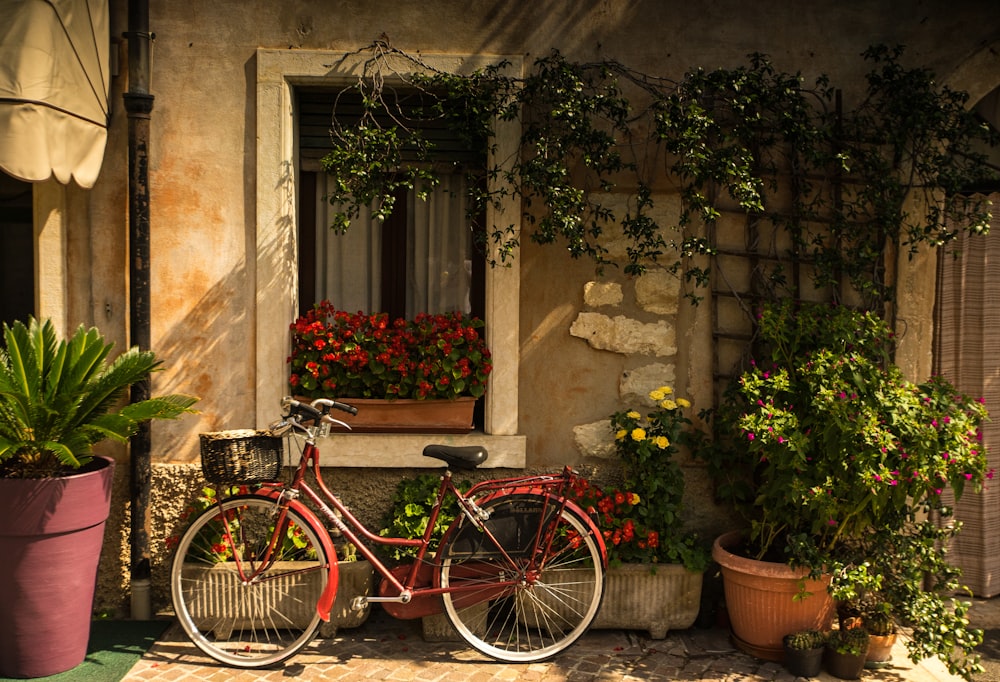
115, 646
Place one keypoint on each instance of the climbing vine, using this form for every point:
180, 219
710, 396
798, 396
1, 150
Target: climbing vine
830, 195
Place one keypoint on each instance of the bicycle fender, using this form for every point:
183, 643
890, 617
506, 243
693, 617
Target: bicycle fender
325, 603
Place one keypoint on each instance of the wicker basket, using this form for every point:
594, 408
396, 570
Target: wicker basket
243, 456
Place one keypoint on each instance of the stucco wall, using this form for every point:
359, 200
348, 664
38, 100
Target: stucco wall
203, 191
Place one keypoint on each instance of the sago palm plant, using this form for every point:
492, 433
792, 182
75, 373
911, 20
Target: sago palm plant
59, 398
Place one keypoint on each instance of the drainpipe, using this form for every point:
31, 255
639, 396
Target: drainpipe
138, 105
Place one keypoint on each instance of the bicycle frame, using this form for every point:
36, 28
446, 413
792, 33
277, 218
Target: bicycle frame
408, 589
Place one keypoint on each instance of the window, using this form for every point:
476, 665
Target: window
420, 259
280, 75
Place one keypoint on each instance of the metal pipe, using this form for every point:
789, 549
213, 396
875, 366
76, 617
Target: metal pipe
138, 105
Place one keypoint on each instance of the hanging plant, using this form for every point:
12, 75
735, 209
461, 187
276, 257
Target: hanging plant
842, 184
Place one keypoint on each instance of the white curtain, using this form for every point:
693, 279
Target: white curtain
439, 268
348, 266
438, 263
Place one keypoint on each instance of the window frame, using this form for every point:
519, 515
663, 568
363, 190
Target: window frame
276, 258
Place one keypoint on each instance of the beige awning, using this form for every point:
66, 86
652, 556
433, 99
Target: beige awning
54, 79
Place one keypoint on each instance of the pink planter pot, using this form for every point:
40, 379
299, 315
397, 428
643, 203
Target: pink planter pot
760, 599
51, 532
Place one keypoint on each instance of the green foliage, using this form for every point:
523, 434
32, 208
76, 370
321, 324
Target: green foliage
839, 183
59, 398
850, 642
648, 447
411, 512
804, 640
837, 461
829, 442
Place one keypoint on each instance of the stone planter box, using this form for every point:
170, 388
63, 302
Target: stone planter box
637, 598
652, 597
355, 580
437, 627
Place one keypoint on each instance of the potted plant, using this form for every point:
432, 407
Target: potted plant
879, 623
424, 363
656, 569
408, 516
654, 577
835, 459
845, 652
57, 400
804, 652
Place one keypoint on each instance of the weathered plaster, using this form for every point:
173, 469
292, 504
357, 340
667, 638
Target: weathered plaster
223, 205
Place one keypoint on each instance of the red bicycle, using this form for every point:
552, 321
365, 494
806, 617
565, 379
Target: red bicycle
520, 572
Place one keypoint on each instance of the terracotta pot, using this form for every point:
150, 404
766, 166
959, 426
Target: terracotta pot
407, 416
51, 532
761, 603
879, 650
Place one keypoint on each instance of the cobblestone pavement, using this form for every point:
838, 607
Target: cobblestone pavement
388, 649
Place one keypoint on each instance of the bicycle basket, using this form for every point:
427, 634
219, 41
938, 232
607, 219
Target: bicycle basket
242, 456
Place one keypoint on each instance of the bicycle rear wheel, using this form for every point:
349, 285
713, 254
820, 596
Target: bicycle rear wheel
235, 615
534, 604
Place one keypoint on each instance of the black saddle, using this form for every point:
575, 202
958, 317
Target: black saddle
466, 457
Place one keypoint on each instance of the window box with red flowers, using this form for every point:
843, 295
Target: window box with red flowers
388, 368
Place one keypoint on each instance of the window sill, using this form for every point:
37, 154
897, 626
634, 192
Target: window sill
397, 451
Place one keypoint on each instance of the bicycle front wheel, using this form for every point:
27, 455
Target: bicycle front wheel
534, 599
238, 610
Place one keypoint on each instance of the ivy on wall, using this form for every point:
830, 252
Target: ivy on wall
847, 187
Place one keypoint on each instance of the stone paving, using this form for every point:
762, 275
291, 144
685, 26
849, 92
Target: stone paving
388, 649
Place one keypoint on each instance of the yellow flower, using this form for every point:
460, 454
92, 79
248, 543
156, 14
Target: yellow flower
668, 405
657, 395
621, 434
683, 402
661, 442
638, 434
633, 415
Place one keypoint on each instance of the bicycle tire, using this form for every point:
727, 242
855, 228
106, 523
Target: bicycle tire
534, 616
257, 623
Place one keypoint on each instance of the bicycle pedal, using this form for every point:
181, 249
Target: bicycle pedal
359, 604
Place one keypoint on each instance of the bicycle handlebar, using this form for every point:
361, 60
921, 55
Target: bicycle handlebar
310, 411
